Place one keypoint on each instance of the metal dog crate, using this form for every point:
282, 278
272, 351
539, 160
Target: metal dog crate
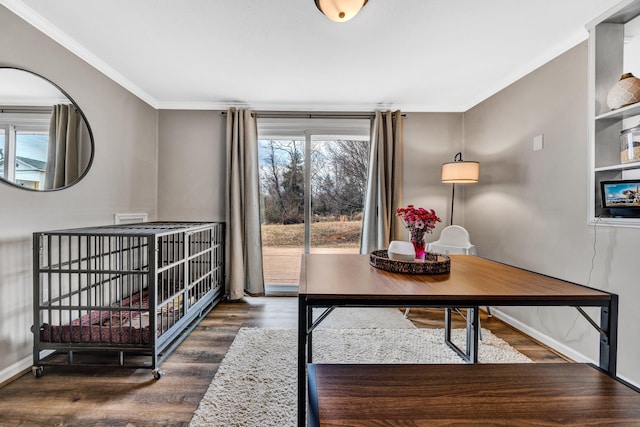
131, 291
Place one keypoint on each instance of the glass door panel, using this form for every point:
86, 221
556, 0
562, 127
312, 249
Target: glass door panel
312, 186
338, 179
282, 209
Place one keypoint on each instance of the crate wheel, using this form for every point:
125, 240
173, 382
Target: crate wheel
157, 373
37, 371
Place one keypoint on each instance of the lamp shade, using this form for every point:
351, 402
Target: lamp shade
460, 172
340, 10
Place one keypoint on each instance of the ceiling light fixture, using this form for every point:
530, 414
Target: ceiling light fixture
340, 10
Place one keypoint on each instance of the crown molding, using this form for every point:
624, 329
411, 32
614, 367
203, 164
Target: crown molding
53, 32
529, 67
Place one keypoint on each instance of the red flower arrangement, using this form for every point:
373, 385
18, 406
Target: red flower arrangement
418, 218
418, 221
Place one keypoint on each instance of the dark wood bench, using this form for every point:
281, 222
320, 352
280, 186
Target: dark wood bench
484, 394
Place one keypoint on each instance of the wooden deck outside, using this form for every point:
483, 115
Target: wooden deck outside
282, 265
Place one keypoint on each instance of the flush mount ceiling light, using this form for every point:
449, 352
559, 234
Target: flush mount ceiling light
340, 10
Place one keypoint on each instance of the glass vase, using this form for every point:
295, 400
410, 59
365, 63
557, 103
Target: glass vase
419, 245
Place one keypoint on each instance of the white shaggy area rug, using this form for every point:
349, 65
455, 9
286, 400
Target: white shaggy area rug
256, 382
364, 318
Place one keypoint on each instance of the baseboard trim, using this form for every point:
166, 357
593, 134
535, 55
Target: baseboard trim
544, 339
13, 372
21, 367
280, 290
550, 342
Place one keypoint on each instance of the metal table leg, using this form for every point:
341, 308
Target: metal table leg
608, 330
473, 334
609, 336
302, 359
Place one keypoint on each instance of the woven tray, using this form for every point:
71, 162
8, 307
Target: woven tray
433, 263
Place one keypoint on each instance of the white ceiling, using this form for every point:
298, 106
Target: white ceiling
415, 55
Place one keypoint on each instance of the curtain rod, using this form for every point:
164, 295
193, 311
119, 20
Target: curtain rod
31, 110
312, 115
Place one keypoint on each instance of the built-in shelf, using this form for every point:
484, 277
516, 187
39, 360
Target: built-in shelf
615, 222
621, 113
608, 60
620, 167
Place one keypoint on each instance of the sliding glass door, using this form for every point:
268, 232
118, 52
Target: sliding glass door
313, 179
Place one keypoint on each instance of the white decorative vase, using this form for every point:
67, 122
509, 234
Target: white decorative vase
625, 92
401, 251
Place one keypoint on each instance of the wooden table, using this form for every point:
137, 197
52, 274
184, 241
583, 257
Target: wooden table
350, 281
486, 394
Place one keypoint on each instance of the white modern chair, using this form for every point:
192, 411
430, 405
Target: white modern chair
453, 240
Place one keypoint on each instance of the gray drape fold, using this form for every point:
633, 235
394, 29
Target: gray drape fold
68, 138
384, 183
243, 242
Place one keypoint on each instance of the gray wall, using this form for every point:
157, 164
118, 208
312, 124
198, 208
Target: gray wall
530, 208
192, 165
431, 139
123, 177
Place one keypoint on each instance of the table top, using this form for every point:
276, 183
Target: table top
485, 394
471, 280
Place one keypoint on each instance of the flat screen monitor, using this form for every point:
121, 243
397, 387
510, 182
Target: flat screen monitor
622, 198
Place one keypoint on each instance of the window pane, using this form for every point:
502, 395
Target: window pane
31, 159
338, 181
338, 175
321, 214
282, 209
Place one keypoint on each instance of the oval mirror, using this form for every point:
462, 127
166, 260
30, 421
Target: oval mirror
45, 141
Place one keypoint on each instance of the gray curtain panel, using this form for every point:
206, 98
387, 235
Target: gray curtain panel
65, 161
384, 183
243, 242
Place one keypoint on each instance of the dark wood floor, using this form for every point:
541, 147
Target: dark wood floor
128, 397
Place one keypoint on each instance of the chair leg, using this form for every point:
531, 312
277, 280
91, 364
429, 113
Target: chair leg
406, 313
489, 311
465, 318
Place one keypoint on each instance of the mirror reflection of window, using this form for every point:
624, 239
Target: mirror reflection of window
25, 137
45, 141
31, 159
